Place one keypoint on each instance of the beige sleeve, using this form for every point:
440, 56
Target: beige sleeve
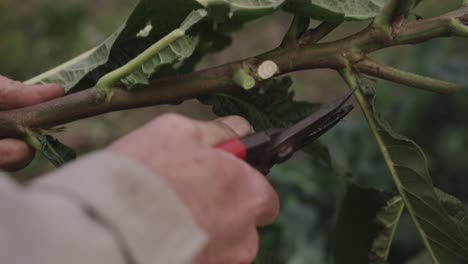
100, 209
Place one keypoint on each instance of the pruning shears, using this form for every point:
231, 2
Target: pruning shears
264, 149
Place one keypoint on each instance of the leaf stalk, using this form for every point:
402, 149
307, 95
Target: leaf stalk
105, 83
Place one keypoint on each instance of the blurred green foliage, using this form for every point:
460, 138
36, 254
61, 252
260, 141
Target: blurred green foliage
38, 34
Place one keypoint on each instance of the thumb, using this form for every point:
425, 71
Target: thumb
16, 94
223, 129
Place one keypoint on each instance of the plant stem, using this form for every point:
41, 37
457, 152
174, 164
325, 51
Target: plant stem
385, 72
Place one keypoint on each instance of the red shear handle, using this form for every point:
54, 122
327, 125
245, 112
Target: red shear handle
235, 147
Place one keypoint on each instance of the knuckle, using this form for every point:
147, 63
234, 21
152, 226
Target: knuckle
7, 97
5, 152
265, 199
250, 248
170, 118
194, 132
268, 202
174, 124
276, 208
221, 165
231, 167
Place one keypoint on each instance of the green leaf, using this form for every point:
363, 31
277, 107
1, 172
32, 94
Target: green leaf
71, 72
422, 258
52, 149
240, 10
444, 236
366, 226
336, 10
320, 153
125, 44
452, 205
271, 104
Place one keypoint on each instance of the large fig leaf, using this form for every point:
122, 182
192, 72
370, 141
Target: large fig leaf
366, 226
71, 72
149, 22
336, 10
240, 10
437, 217
125, 44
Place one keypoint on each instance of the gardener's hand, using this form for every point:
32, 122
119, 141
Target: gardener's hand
227, 197
16, 154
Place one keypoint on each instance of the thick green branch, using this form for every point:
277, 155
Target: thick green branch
447, 25
82, 105
385, 72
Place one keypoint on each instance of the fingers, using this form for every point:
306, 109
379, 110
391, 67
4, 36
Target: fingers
236, 123
200, 133
265, 205
218, 131
268, 208
260, 199
16, 95
14, 154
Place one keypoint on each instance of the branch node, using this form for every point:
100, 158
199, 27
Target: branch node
104, 93
393, 15
383, 22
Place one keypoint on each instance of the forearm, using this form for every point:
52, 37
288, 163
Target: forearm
101, 209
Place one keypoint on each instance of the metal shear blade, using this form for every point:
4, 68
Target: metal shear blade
311, 128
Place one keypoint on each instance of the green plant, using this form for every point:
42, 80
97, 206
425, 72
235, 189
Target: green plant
150, 59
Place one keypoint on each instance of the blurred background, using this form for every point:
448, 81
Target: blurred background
36, 35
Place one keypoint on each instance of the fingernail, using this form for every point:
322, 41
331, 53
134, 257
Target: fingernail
239, 124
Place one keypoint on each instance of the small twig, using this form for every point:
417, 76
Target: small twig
297, 28
385, 72
315, 35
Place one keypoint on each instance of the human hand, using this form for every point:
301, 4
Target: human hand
227, 197
16, 154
